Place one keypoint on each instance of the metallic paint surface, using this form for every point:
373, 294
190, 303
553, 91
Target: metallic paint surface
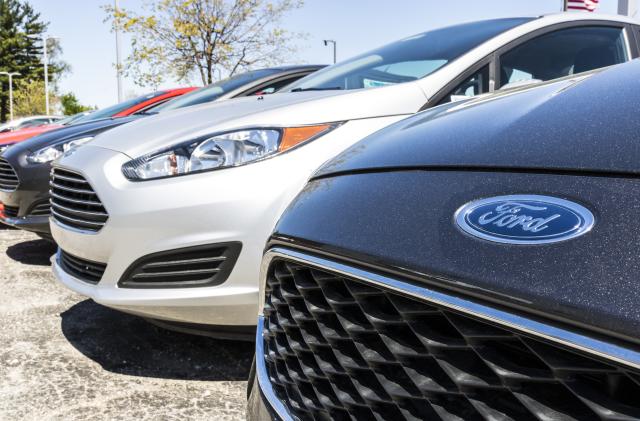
588, 125
403, 221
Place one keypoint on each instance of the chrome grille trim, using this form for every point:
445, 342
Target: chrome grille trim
586, 344
9, 180
74, 203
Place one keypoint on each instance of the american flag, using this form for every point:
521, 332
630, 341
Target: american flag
583, 5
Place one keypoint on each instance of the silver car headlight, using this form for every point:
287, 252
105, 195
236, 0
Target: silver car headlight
53, 152
221, 150
4, 147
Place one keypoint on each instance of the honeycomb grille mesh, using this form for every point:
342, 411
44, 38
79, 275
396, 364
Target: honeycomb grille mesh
336, 348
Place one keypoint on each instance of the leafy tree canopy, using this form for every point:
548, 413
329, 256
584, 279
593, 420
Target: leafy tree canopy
71, 105
21, 30
182, 38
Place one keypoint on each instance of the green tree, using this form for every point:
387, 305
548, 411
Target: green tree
28, 98
180, 38
21, 29
71, 105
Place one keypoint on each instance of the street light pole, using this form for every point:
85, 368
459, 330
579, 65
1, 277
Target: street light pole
330, 41
45, 39
118, 58
46, 75
11, 75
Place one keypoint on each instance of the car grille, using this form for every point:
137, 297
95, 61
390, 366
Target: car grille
337, 348
41, 209
84, 270
8, 178
189, 267
74, 203
11, 211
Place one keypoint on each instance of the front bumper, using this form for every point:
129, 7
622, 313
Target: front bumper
233, 205
258, 406
31, 198
37, 224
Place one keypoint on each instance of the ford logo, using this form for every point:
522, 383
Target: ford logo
524, 219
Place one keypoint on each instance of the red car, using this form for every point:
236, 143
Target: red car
122, 109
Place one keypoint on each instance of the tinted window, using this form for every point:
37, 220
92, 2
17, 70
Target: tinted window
214, 91
34, 122
406, 60
274, 86
563, 53
476, 84
118, 108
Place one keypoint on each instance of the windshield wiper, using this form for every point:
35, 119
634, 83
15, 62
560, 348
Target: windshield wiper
332, 88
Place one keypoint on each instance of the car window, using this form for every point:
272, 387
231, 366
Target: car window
118, 108
475, 84
33, 122
562, 53
406, 60
275, 86
214, 91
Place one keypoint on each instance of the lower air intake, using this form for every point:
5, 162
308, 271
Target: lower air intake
11, 211
82, 269
337, 348
183, 268
41, 209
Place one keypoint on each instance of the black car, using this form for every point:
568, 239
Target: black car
25, 167
477, 261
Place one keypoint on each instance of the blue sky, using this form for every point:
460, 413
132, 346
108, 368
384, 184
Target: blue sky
357, 25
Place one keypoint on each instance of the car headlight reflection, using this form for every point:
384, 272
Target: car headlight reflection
221, 150
53, 152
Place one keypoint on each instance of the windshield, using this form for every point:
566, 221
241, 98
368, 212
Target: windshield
117, 108
214, 91
406, 60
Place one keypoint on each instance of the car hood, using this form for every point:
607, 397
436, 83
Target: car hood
66, 132
284, 109
549, 127
20, 134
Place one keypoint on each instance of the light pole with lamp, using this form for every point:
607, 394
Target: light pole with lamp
46, 71
330, 41
11, 75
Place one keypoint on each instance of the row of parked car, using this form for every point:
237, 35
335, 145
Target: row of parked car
475, 260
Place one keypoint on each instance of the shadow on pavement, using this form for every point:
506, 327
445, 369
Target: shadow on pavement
34, 252
126, 344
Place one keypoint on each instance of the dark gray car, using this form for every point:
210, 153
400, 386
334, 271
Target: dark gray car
477, 261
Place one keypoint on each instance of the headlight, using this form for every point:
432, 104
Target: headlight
4, 147
221, 150
51, 153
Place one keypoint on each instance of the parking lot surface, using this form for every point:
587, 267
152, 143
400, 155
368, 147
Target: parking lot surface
63, 356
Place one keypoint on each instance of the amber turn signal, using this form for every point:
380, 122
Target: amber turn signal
293, 136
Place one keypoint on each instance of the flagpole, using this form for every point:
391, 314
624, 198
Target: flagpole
565, 5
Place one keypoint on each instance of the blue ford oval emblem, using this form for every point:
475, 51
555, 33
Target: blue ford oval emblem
524, 219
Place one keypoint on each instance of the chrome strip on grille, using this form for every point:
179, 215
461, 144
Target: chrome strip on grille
9, 181
586, 344
74, 203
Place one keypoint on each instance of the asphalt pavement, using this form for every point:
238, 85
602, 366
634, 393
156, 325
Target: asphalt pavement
64, 357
